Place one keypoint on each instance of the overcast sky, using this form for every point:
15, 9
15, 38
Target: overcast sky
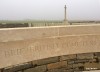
49, 9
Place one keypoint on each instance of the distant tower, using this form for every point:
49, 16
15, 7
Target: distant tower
65, 13
65, 19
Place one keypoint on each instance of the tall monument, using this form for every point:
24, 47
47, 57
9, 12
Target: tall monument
65, 14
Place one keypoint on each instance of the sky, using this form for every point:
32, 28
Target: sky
49, 9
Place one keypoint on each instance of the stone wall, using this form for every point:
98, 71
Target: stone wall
13, 25
66, 63
91, 23
20, 45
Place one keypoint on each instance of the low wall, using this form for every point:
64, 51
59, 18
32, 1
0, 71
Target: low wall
40, 24
65, 63
13, 25
28, 44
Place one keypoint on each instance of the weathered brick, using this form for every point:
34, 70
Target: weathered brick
92, 60
57, 65
92, 71
76, 69
99, 60
18, 67
85, 56
97, 54
61, 70
19, 71
81, 61
55, 70
46, 61
70, 70
77, 65
70, 61
66, 57
37, 69
1, 70
92, 66
69, 66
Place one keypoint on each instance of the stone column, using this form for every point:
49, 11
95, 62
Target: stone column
30, 25
65, 15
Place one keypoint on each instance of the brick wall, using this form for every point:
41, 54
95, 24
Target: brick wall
66, 63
